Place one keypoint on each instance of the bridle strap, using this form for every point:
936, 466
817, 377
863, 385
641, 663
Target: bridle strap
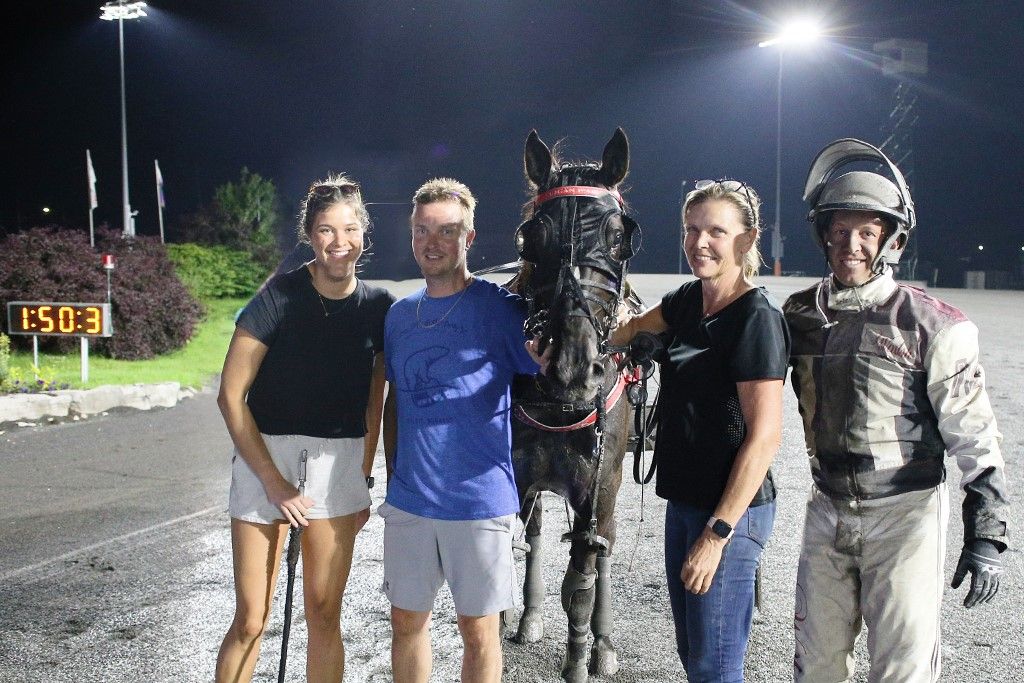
576, 191
613, 397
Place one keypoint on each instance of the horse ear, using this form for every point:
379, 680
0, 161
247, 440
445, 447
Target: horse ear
537, 159
615, 160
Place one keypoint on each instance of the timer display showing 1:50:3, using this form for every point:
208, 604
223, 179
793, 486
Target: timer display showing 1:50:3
57, 318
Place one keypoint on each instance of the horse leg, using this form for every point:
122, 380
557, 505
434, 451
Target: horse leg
578, 603
603, 660
531, 624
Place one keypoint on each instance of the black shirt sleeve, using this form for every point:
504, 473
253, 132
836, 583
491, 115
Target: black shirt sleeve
262, 315
761, 349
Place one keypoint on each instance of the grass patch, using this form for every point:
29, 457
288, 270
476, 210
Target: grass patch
194, 365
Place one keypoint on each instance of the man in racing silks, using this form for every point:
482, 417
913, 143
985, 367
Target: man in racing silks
888, 382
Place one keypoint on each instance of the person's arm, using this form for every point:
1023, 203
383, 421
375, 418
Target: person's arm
761, 404
390, 430
245, 354
956, 390
650, 320
374, 411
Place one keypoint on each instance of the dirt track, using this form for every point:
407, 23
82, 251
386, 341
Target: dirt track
153, 606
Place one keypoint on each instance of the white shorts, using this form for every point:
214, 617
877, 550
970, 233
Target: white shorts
334, 478
474, 556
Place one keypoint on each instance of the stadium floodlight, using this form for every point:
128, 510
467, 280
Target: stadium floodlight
114, 11
797, 32
120, 12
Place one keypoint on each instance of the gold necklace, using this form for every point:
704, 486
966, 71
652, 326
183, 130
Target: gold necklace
437, 322
323, 305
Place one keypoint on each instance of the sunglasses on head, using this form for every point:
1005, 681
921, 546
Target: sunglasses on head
331, 191
729, 186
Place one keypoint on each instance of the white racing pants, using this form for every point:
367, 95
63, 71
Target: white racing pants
874, 562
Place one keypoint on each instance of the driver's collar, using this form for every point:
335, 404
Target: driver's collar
873, 292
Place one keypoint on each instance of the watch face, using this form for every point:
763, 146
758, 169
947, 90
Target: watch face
721, 529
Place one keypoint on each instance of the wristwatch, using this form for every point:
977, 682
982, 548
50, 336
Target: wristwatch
369, 482
720, 528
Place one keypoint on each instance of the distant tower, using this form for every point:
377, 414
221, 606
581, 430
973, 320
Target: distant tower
902, 58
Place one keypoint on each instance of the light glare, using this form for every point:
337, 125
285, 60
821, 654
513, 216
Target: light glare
796, 32
113, 11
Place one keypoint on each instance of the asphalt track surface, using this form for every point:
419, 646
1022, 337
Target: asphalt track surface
115, 558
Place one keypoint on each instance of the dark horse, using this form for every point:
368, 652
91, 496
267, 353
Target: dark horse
571, 425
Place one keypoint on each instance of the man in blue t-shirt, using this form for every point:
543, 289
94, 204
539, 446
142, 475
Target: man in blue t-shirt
451, 352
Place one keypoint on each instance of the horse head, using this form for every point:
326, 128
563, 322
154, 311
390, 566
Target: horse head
578, 239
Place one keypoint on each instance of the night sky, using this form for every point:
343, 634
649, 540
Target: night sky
397, 92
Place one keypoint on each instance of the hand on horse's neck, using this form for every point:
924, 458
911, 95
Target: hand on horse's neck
717, 295
448, 284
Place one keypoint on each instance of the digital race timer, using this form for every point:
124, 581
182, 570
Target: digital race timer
59, 319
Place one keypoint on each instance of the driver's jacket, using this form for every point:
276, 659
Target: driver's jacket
888, 380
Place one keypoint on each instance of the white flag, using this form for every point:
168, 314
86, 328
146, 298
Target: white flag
159, 185
91, 173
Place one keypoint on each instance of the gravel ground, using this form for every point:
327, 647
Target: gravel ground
154, 607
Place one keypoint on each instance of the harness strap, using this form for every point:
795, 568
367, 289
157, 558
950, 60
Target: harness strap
576, 191
613, 397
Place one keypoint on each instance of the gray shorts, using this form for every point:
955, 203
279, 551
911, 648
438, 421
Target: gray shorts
334, 478
474, 556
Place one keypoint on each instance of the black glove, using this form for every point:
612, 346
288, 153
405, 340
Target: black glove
981, 559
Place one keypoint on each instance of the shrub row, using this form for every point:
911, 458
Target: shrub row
216, 272
153, 312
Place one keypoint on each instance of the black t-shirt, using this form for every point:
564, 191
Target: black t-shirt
315, 378
700, 423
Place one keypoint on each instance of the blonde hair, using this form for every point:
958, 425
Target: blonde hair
447, 190
747, 203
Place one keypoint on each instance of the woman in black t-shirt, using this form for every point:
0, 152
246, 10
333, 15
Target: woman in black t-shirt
302, 393
719, 426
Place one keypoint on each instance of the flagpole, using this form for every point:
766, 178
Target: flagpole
159, 197
91, 176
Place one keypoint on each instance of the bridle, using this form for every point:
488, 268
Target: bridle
568, 288
582, 208
577, 295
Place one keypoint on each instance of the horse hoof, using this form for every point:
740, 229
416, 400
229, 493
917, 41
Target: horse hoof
531, 627
603, 660
575, 672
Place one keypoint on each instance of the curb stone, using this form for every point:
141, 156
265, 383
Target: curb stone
77, 403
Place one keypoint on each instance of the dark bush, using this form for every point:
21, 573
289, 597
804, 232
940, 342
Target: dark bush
216, 272
153, 312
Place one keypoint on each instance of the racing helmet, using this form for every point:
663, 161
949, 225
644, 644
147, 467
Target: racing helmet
826, 192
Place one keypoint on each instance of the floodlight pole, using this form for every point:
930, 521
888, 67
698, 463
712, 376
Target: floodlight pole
129, 228
117, 9
794, 32
777, 227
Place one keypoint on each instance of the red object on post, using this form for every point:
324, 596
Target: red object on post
108, 261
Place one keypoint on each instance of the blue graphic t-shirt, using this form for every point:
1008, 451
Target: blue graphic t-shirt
452, 379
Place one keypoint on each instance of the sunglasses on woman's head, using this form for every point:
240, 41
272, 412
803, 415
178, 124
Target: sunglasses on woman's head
329, 191
729, 186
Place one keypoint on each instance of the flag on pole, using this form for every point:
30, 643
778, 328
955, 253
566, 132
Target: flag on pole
93, 203
159, 185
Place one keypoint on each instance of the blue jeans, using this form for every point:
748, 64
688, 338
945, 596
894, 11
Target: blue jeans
712, 629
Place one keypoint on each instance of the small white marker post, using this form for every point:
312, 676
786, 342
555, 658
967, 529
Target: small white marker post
35, 355
85, 358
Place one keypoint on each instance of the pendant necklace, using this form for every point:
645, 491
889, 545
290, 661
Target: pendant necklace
323, 305
437, 322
